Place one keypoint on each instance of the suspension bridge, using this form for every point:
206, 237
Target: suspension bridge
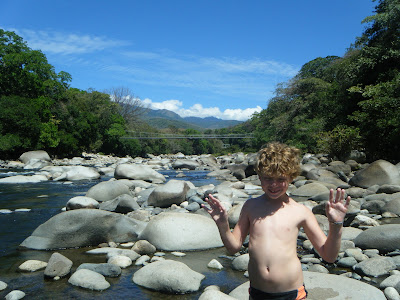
156, 136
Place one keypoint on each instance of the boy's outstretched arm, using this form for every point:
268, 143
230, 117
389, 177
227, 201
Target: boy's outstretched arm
336, 209
232, 240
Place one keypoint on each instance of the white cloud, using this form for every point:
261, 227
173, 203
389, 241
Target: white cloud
66, 43
197, 110
172, 105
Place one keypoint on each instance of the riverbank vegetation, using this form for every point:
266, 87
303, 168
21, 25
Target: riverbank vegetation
333, 105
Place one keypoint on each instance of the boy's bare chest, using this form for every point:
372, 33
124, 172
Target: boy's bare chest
281, 222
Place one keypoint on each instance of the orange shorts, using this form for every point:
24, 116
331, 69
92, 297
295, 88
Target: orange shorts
299, 294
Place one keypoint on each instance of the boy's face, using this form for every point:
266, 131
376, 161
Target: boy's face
274, 186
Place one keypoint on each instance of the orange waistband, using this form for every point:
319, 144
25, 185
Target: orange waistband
301, 293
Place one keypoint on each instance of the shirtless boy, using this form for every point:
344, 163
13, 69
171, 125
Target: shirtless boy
273, 221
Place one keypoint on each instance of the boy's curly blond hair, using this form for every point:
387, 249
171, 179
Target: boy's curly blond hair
278, 159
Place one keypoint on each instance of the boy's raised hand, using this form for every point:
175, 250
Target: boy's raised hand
336, 207
216, 210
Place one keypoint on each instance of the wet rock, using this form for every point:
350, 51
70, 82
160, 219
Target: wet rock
58, 265
89, 280
144, 247
32, 265
241, 262
215, 264
15, 295
121, 261
105, 269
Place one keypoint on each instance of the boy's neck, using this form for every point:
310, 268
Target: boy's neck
283, 199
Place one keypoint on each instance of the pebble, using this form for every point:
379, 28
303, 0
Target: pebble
32, 265
178, 254
3, 285
121, 261
15, 295
142, 260
391, 293
215, 264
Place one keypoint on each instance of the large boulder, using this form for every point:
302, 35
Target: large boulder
123, 204
392, 206
37, 155
185, 164
385, 238
379, 172
168, 276
234, 214
376, 266
238, 170
310, 189
172, 231
83, 227
107, 190
80, 202
173, 192
138, 172
71, 173
24, 179
326, 287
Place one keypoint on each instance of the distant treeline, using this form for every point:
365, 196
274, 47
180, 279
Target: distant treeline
333, 105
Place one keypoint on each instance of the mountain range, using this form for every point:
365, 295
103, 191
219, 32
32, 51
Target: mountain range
163, 118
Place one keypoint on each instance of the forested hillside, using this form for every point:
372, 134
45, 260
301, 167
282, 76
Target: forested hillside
333, 105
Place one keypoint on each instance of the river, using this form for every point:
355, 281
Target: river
45, 200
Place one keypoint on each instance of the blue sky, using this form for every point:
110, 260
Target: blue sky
202, 58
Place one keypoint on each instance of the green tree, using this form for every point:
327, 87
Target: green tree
25, 72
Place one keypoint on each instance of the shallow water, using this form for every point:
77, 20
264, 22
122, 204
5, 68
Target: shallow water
46, 200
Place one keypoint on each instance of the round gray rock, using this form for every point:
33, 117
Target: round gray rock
172, 231
107, 190
58, 265
138, 172
168, 276
37, 154
385, 238
380, 172
173, 192
15, 295
83, 227
80, 202
89, 280
105, 269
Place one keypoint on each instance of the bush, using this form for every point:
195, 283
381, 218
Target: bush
340, 141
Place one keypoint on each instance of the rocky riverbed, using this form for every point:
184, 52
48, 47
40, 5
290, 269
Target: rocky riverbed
141, 220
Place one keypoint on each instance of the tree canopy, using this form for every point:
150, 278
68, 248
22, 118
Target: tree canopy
336, 104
